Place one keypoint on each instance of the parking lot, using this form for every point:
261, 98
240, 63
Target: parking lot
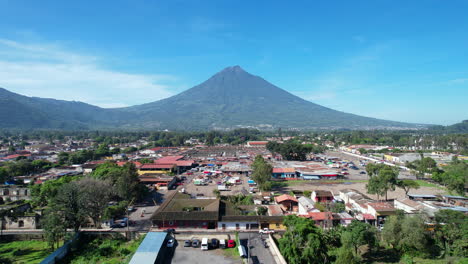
207, 190
180, 254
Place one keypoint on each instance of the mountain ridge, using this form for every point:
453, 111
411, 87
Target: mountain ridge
229, 99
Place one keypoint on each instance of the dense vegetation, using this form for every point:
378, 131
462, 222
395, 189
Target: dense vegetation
110, 250
403, 237
294, 150
70, 201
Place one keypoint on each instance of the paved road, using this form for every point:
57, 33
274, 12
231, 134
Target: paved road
258, 253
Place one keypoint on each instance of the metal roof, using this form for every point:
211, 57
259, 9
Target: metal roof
149, 248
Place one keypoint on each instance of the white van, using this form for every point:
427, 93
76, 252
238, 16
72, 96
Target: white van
242, 252
204, 244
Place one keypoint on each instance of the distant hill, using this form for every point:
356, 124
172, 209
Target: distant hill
461, 127
230, 99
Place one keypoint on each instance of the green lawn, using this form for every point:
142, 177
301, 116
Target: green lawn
27, 252
103, 250
423, 183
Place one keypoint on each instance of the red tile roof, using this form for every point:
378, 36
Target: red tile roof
382, 206
157, 166
284, 170
368, 216
320, 216
285, 197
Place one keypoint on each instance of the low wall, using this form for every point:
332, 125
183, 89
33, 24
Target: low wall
61, 252
276, 250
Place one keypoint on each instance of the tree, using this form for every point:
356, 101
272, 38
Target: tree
307, 193
96, 196
262, 210
358, 234
451, 232
69, 201
382, 179
454, 176
407, 234
345, 256
54, 226
303, 242
261, 173
217, 193
407, 185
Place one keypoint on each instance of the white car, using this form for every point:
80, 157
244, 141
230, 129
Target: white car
266, 231
170, 243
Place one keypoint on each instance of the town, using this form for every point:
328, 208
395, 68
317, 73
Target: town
167, 197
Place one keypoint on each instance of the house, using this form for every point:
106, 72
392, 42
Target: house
409, 206
180, 165
306, 205
24, 217
322, 219
322, 196
284, 173
156, 168
180, 211
343, 219
158, 180
257, 143
380, 211
354, 200
244, 218
287, 202
240, 217
14, 193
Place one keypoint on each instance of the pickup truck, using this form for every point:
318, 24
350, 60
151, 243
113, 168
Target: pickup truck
266, 231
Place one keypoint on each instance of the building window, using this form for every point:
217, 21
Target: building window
20, 223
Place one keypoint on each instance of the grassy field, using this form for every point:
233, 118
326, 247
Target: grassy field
27, 252
423, 183
103, 250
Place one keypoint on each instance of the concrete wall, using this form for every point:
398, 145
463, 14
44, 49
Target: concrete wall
273, 247
232, 225
25, 222
61, 252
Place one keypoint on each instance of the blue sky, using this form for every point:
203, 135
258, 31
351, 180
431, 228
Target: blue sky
396, 60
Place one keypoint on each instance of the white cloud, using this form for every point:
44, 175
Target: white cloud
47, 70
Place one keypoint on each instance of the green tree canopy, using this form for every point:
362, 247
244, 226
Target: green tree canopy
303, 242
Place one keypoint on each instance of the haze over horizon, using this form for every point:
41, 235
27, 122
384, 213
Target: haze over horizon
396, 61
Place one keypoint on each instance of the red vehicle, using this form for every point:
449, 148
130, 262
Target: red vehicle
231, 243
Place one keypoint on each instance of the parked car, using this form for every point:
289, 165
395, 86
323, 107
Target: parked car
266, 231
345, 173
187, 243
222, 243
170, 230
204, 244
131, 209
362, 172
214, 243
231, 243
195, 243
170, 242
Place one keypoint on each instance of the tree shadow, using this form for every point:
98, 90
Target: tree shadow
381, 256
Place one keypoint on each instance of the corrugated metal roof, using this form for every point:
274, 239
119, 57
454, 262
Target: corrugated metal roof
149, 248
